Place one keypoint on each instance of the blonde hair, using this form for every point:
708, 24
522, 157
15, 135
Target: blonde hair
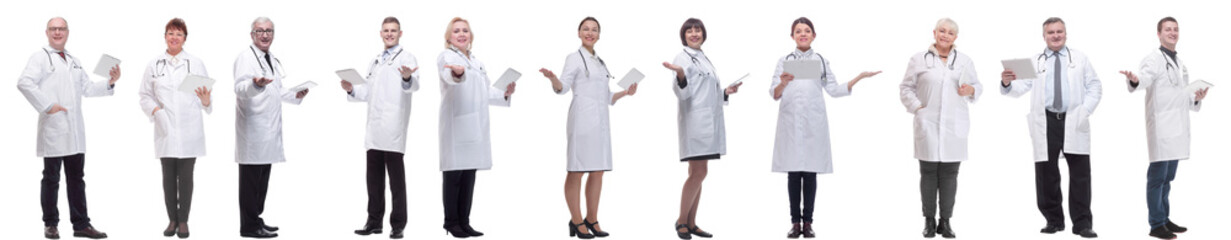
449, 30
946, 21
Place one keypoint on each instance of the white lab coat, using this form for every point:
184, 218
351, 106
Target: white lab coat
49, 80
943, 124
1084, 92
388, 98
801, 141
258, 110
179, 131
1167, 104
589, 125
702, 127
465, 130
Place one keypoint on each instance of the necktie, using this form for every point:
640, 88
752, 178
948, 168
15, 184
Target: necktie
62, 56
1058, 103
271, 63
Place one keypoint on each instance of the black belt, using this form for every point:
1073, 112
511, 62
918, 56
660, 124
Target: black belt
1058, 116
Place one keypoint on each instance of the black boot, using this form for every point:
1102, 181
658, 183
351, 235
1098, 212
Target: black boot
1171, 226
945, 229
929, 228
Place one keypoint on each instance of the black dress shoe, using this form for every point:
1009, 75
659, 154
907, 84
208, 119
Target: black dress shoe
181, 235
170, 230
259, 233
457, 231
1049, 229
269, 228
1175, 228
929, 228
470, 231
369, 229
697, 231
807, 230
795, 231
573, 232
1162, 232
50, 232
596, 232
1086, 233
396, 234
945, 229
685, 234
89, 232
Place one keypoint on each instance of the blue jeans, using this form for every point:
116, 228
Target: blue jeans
1158, 190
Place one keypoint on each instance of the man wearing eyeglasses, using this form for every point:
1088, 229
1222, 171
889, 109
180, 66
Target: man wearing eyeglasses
258, 125
54, 82
1059, 126
391, 79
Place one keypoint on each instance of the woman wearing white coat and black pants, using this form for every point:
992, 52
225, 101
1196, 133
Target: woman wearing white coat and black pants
1165, 78
465, 130
589, 127
179, 129
392, 79
938, 85
801, 141
1063, 96
701, 126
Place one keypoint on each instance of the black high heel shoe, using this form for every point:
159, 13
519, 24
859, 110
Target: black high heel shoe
456, 231
572, 230
171, 228
685, 234
470, 231
596, 232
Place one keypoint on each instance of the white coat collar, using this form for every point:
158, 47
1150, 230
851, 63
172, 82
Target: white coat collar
801, 54
693, 51
259, 53
50, 49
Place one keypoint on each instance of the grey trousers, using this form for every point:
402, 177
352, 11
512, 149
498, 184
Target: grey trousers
177, 187
938, 178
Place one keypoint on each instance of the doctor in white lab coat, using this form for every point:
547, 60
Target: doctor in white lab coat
938, 85
1164, 77
1059, 123
259, 94
589, 126
801, 141
702, 131
392, 78
465, 135
179, 129
54, 83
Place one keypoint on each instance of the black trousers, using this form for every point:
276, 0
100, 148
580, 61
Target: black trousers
74, 169
458, 194
938, 178
253, 184
1047, 180
801, 185
177, 187
379, 162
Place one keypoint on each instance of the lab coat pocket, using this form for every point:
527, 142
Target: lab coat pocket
1083, 118
162, 124
700, 127
56, 124
1168, 122
465, 128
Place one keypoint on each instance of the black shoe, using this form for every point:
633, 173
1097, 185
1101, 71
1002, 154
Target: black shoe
89, 232
396, 234
456, 231
181, 230
1049, 229
697, 231
1175, 228
269, 228
470, 231
573, 232
181, 235
945, 229
259, 233
171, 228
596, 232
795, 231
685, 234
1086, 233
807, 230
1162, 232
929, 228
50, 232
369, 229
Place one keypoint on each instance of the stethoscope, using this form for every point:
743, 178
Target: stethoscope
1170, 66
258, 63
932, 64
459, 53
67, 56
824, 64
387, 62
162, 65
696, 61
1043, 56
600, 62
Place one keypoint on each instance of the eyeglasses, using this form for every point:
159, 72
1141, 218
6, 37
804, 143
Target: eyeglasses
57, 29
263, 32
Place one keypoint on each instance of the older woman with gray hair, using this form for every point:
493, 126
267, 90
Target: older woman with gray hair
938, 85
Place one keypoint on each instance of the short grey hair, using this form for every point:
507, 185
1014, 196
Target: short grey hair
946, 21
261, 20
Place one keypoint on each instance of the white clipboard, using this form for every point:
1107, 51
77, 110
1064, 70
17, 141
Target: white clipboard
105, 63
631, 78
1022, 67
1195, 86
352, 76
803, 69
192, 82
302, 86
510, 76
740, 80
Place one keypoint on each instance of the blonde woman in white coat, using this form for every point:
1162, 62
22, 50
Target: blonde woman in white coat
702, 129
465, 135
1164, 77
801, 143
179, 129
937, 88
589, 127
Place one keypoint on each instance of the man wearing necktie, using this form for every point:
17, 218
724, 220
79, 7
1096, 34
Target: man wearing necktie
54, 83
1059, 127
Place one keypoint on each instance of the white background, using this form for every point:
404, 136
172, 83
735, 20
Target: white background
319, 193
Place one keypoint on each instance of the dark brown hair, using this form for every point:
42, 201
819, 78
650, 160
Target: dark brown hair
177, 24
1166, 19
690, 24
583, 22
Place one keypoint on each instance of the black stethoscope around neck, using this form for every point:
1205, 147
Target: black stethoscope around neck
71, 63
258, 62
600, 62
938, 57
163, 64
1044, 56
